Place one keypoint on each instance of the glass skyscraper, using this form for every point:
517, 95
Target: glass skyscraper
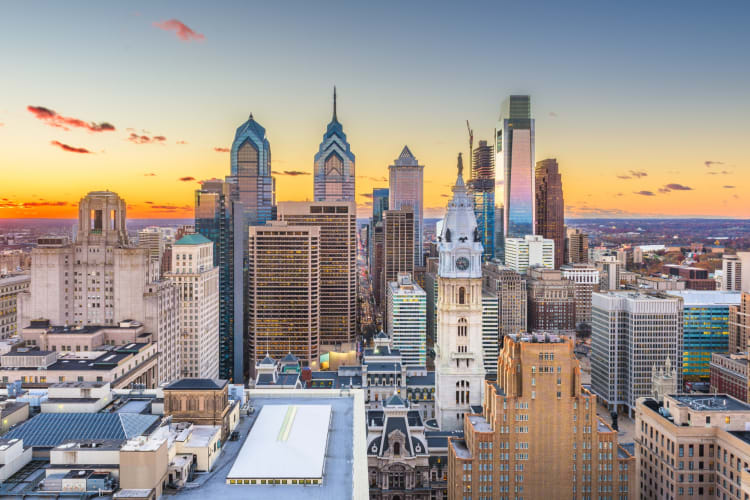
379, 204
482, 187
251, 173
406, 190
215, 219
334, 164
514, 149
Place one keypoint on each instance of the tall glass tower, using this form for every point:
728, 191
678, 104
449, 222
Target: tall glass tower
405, 182
379, 205
514, 150
334, 164
482, 188
251, 171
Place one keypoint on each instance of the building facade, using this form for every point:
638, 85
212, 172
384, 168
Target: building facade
398, 246
586, 281
630, 333
482, 188
379, 205
406, 184
459, 363
537, 434
510, 289
406, 319
576, 246
490, 332
551, 302
735, 272
338, 264
739, 325
283, 292
10, 287
334, 164
197, 278
219, 218
529, 251
550, 207
514, 149
729, 375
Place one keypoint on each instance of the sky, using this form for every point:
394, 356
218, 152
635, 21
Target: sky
644, 104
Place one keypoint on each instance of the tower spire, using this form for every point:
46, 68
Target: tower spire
334, 104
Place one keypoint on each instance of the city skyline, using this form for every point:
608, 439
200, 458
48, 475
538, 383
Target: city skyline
136, 117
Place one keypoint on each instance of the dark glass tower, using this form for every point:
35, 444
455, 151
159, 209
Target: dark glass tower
220, 219
482, 187
379, 205
550, 207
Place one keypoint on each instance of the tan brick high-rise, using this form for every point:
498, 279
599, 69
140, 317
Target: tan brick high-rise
538, 435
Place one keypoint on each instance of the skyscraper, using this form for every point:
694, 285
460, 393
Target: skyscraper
406, 183
459, 365
398, 246
586, 281
197, 277
283, 292
251, 173
510, 288
514, 149
552, 302
337, 221
379, 205
220, 218
529, 251
576, 246
550, 208
406, 319
334, 164
482, 187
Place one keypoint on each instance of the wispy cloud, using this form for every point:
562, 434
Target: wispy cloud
180, 29
144, 139
221, 150
728, 187
711, 163
638, 173
149, 174
292, 173
677, 187
181, 142
70, 149
624, 177
366, 195
187, 179
723, 172
644, 193
51, 118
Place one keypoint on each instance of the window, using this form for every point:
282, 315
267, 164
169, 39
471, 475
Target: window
461, 295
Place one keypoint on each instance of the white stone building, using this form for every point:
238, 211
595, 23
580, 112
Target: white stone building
529, 251
198, 282
459, 363
10, 287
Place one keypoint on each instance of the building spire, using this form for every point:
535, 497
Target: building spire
334, 104
460, 165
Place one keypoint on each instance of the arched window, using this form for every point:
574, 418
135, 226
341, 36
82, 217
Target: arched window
462, 295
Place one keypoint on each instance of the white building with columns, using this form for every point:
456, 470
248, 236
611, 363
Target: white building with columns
459, 367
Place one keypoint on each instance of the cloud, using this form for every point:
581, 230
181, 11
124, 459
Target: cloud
150, 174
444, 195
183, 32
711, 163
624, 177
644, 193
728, 187
221, 150
144, 139
292, 173
46, 204
181, 142
678, 187
553, 114
165, 207
374, 179
187, 179
51, 118
70, 149
736, 196
149, 202
664, 190
638, 173
618, 194
366, 195
723, 172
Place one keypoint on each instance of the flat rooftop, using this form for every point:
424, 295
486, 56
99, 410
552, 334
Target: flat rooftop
708, 297
718, 402
288, 441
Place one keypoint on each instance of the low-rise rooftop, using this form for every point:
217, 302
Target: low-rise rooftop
716, 402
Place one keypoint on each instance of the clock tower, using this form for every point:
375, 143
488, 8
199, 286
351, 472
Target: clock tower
458, 365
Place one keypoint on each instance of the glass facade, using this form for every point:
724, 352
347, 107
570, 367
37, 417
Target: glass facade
334, 164
482, 187
706, 330
406, 190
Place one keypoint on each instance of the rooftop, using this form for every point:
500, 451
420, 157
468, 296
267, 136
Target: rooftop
539, 338
196, 384
480, 423
192, 239
708, 297
717, 402
460, 448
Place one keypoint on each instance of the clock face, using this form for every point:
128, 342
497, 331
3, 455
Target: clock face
462, 263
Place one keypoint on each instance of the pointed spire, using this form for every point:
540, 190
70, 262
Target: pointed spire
334, 104
460, 165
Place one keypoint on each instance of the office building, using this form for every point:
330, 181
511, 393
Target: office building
482, 189
250, 175
334, 164
153, 239
510, 289
551, 303
735, 272
197, 278
630, 334
220, 219
692, 446
398, 246
459, 365
406, 319
529, 251
283, 292
406, 183
609, 272
514, 149
101, 279
739, 325
377, 262
499, 229
576, 246
338, 265
379, 205
431, 289
10, 287
729, 375
490, 332
550, 207
705, 329
586, 281
695, 278
537, 434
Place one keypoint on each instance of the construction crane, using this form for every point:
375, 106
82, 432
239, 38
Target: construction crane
471, 149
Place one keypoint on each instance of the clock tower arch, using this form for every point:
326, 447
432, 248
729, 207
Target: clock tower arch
459, 377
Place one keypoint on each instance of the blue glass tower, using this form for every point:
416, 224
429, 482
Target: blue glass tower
482, 187
379, 204
334, 164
